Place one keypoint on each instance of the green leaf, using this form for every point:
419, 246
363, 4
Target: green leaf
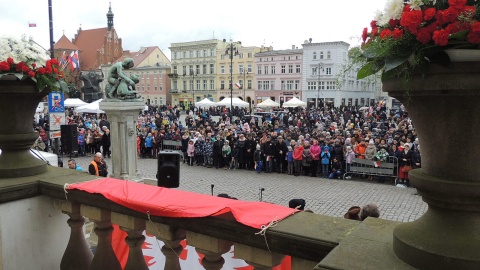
370, 52
392, 63
369, 69
459, 35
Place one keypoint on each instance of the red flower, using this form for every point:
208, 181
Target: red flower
393, 23
429, 14
473, 37
373, 24
34, 65
451, 14
424, 35
364, 34
457, 3
397, 33
31, 74
55, 70
10, 60
412, 20
41, 71
386, 33
440, 37
4, 66
476, 28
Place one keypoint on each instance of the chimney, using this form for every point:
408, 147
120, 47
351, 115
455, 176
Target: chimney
293, 47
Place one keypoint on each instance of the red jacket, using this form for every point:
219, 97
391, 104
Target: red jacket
360, 151
298, 153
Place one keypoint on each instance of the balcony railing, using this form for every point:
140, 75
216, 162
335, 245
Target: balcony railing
211, 236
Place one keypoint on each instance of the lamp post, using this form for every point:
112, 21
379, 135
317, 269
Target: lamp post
320, 68
231, 51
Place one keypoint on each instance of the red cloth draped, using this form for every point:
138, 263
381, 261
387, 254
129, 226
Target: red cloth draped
175, 203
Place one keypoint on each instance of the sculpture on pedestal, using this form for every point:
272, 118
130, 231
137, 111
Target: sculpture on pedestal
91, 85
119, 85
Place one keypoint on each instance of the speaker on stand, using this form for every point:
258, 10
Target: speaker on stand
168, 171
68, 140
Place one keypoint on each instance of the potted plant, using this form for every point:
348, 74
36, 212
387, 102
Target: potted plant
27, 75
410, 44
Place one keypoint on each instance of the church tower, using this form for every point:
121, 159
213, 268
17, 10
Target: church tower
110, 17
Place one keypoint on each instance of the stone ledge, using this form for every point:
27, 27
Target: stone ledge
369, 246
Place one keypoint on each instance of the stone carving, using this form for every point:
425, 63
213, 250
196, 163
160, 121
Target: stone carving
91, 85
119, 85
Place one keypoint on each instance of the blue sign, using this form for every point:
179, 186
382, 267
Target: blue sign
55, 102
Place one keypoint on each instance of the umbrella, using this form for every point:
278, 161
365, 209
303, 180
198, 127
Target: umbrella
235, 102
73, 102
294, 102
205, 103
268, 103
93, 107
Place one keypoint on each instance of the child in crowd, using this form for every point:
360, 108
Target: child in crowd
190, 152
289, 158
226, 150
257, 158
234, 162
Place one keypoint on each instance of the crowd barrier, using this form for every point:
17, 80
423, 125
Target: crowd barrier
373, 168
172, 146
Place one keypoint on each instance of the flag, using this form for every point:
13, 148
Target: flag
76, 60
32, 24
63, 61
70, 61
238, 85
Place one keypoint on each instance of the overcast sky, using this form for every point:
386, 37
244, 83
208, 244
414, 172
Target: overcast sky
160, 23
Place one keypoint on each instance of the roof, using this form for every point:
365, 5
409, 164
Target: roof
138, 57
90, 41
65, 44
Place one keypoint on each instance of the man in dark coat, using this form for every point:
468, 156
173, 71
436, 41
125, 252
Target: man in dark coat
217, 152
281, 151
249, 151
269, 154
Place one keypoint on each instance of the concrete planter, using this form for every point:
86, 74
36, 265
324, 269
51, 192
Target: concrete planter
18, 101
445, 109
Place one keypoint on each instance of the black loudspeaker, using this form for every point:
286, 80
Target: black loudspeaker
69, 138
168, 171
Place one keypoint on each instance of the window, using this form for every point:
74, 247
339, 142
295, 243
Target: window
148, 88
249, 55
204, 69
156, 88
222, 85
175, 70
314, 71
191, 84
175, 55
199, 54
321, 55
272, 68
249, 84
312, 86
212, 52
197, 69
328, 71
240, 68
329, 55
184, 70
222, 69
198, 85
297, 68
191, 54
175, 85
297, 85
259, 70
259, 86
190, 70
272, 85
290, 69
212, 84
204, 53
184, 55
204, 84
283, 69
241, 84
249, 69
265, 68
212, 69
282, 85
314, 55
290, 85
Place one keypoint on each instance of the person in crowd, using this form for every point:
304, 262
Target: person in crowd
405, 165
360, 149
149, 145
199, 145
370, 152
257, 157
369, 210
349, 155
281, 151
315, 152
268, 151
306, 159
297, 157
290, 161
353, 213
250, 147
226, 151
106, 141
240, 145
185, 140
217, 152
336, 168
98, 166
72, 164
208, 152
190, 152
325, 156
90, 142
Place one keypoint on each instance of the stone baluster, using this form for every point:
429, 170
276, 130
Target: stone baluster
260, 259
77, 254
211, 247
134, 228
172, 237
104, 256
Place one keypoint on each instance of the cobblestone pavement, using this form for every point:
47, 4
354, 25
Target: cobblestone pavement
323, 196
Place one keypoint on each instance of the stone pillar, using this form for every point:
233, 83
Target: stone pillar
259, 258
134, 227
172, 237
104, 257
211, 247
77, 254
122, 116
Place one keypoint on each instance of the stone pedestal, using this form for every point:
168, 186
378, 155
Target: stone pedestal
122, 116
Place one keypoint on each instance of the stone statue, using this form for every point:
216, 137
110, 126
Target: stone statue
91, 85
119, 85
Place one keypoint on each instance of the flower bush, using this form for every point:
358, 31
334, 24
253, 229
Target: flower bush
27, 60
409, 35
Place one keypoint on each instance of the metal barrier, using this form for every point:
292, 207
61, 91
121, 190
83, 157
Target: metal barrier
172, 146
373, 167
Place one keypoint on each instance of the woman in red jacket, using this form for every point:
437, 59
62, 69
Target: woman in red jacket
297, 157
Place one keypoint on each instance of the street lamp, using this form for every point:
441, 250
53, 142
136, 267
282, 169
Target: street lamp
231, 51
245, 72
320, 68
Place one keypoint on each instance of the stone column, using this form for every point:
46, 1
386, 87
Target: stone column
259, 258
172, 237
77, 254
122, 116
211, 247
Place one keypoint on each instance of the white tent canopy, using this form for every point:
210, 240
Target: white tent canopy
294, 102
268, 103
205, 103
73, 102
235, 102
93, 107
